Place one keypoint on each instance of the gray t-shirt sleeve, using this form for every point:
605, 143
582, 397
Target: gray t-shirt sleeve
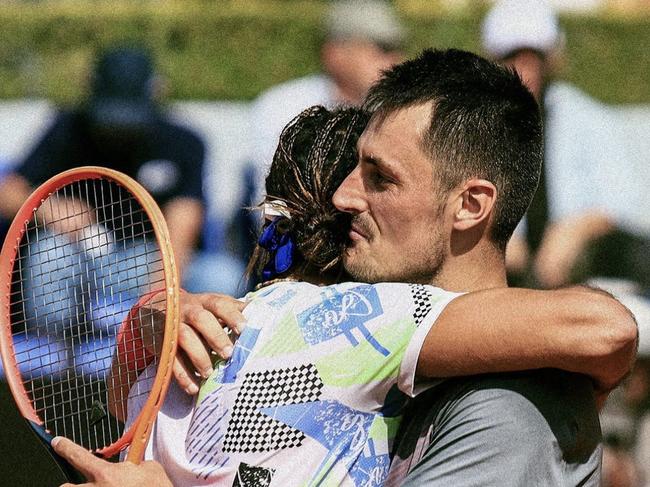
531, 429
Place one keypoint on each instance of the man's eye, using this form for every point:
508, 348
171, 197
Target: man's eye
378, 179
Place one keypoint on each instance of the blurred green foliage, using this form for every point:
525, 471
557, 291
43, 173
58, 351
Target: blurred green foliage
233, 49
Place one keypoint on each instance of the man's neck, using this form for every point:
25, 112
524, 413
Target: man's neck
472, 272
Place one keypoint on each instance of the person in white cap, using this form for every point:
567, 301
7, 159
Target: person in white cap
362, 38
587, 218
526, 35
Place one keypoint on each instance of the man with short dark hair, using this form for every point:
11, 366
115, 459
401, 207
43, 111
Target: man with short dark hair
454, 140
447, 167
473, 121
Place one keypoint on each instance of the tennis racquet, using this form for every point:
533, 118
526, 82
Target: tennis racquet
90, 312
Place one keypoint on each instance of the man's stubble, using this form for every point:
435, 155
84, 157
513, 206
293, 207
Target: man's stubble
418, 264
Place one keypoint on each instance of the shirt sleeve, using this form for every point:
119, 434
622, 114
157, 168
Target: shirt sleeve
428, 302
368, 329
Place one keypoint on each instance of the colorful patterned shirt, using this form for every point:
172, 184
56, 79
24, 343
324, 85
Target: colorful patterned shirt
312, 394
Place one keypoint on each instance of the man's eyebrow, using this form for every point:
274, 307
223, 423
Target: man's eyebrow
375, 160
370, 159
382, 165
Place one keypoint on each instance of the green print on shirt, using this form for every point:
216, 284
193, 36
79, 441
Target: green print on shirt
287, 339
363, 364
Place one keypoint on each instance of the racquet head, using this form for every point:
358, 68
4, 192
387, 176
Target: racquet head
90, 310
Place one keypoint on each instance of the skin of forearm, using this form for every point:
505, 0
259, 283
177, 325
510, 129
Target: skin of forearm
184, 217
616, 349
14, 189
507, 329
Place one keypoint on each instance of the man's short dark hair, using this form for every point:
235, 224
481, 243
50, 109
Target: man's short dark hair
484, 123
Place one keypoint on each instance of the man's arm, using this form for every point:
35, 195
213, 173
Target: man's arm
577, 329
101, 473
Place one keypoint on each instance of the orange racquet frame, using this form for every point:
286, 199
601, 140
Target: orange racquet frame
138, 435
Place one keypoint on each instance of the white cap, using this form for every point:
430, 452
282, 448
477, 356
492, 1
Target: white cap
512, 25
374, 20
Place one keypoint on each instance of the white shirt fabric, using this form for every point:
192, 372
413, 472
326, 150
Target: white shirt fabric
312, 394
595, 159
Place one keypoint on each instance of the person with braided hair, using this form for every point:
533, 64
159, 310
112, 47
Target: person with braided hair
314, 388
316, 151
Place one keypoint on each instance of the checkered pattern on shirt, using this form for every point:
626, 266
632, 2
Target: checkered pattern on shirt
249, 430
421, 301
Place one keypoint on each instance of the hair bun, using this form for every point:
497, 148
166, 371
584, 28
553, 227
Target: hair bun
319, 238
315, 153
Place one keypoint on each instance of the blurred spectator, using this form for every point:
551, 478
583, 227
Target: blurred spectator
619, 469
122, 125
363, 37
626, 427
589, 216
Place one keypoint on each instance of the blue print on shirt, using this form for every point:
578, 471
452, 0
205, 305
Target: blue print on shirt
370, 469
340, 313
282, 299
343, 431
331, 423
243, 348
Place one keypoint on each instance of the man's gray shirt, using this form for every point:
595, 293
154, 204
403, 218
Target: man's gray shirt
536, 428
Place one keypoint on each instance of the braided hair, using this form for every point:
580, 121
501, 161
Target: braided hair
316, 152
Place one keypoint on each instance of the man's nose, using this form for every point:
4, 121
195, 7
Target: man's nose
349, 197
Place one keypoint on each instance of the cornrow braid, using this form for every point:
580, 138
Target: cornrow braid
315, 153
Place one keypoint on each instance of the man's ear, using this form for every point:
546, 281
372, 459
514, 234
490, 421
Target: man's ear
475, 204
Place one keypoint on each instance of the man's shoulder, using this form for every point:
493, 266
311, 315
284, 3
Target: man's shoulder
280, 103
568, 104
69, 126
69, 117
543, 423
173, 152
170, 131
529, 406
62, 146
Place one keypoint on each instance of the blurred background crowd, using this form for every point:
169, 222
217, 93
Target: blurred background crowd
189, 97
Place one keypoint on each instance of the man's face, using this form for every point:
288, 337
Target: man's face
397, 230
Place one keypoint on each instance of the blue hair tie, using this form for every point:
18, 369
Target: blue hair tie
280, 246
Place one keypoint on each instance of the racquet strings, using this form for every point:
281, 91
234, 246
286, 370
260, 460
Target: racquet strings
86, 258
